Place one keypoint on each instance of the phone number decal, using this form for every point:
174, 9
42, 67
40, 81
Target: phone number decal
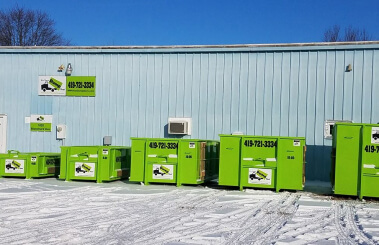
163, 145
260, 143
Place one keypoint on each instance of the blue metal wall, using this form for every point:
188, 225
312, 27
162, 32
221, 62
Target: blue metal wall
286, 91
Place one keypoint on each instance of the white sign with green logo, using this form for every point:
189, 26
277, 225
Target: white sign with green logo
41, 123
52, 85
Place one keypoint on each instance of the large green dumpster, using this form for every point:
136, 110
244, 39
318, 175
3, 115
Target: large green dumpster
355, 159
29, 165
176, 161
262, 162
96, 163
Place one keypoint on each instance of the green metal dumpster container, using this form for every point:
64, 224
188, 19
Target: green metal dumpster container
355, 159
176, 161
29, 165
96, 163
262, 162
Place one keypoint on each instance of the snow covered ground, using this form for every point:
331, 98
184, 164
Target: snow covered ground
50, 211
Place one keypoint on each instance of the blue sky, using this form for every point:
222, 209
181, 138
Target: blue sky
196, 22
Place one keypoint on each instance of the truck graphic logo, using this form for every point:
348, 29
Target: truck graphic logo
40, 118
84, 168
162, 170
259, 175
52, 85
375, 135
13, 165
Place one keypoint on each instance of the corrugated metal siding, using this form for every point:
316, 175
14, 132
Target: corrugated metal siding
289, 93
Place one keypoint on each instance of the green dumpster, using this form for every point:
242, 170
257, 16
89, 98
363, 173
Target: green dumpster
96, 163
262, 162
175, 161
29, 165
355, 159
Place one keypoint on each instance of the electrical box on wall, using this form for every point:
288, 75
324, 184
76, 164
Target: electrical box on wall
328, 127
61, 131
180, 126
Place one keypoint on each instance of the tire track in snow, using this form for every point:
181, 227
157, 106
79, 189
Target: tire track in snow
303, 225
264, 220
206, 228
180, 210
347, 226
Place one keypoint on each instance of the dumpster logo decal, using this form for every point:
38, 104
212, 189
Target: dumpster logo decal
85, 169
163, 171
52, 85
375, 135
14, 166
260, 176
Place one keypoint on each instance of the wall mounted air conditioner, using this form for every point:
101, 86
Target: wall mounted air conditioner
180, 126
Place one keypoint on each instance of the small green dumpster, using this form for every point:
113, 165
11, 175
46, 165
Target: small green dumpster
355, 159
29, 165
176, 161
262, 162
96, 163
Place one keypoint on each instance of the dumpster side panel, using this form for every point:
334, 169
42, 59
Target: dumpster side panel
82, 162
161, 160
43, 165
13, 164
258, 161
229, 160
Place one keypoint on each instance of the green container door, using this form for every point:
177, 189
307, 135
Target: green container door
192, 165
137, 170
347, 158
29, 165
161, 161
370, 161
96, 163
63, 167
229, 160
291, 159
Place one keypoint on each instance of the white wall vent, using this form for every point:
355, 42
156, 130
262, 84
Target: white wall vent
180, 126
328, 127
